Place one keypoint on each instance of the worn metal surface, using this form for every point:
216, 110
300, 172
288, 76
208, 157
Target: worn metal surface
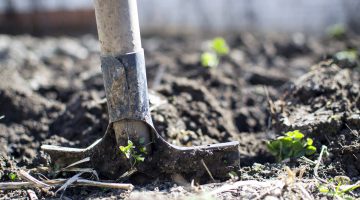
165, 158
126, 87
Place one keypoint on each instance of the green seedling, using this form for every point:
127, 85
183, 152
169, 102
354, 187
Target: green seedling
220, 46
339, 187
217, 48
209, 59
291, 145
12, 176
351, 55
131, 152
337, 31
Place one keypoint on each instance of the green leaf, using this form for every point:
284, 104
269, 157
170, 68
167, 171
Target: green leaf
323, 189
292, 145
143, 150
12, 176
350, 55
309, 141
209, 59
298, 150
274, 147
139, 158
122, 149
295, 134
220, 46
310, 150
127, 150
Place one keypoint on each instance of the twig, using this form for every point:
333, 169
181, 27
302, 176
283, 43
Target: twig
57, 182
318, 161
353, 132
16, 185
30, 178
126, 175
243, 183
307, 160
208, 171
32, 195
85, 182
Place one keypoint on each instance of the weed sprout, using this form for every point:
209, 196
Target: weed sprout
291, 145
217, 48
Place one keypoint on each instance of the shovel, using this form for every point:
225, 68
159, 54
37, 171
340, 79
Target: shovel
130, 124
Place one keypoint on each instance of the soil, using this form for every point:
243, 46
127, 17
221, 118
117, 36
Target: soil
51, 92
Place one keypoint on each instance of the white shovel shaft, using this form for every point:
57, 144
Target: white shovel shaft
118, 26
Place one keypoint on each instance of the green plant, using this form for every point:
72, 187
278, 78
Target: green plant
291, 145
216, 48
337, 31
338, 187
12, 176
130, 151
209, 59
220, 46
351, 55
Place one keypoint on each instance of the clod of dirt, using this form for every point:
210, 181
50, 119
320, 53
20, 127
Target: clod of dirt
324, 104
84, 119
18, 102
259, 76
26, 115
199, 111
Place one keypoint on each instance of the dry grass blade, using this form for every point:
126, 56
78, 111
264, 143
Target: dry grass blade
208, 171
318, 161
87, 159
88, 170
30, 178
84, 182
69, 182
56, 182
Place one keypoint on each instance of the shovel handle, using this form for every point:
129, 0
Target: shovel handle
119, 34
118, 26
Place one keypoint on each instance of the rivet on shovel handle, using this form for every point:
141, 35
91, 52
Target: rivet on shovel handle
123, 67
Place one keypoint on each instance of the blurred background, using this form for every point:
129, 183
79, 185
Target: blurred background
69, 17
